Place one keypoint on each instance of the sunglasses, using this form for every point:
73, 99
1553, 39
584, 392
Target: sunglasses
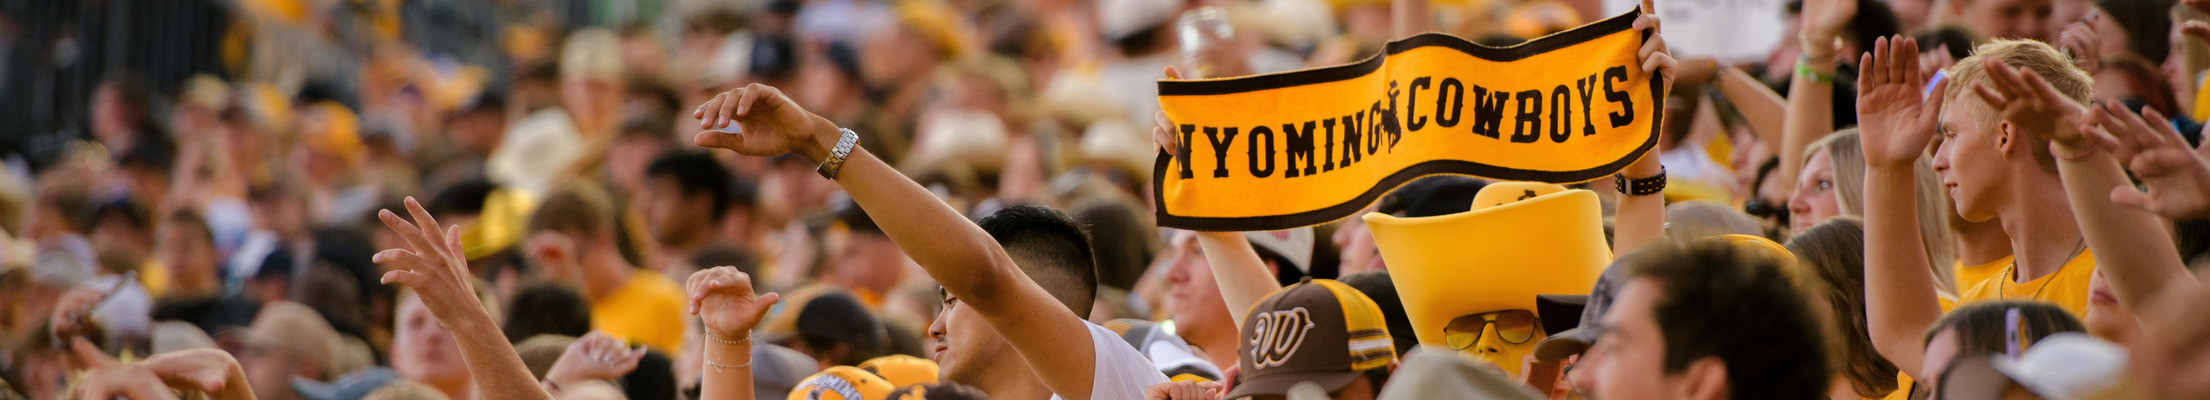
1514, 326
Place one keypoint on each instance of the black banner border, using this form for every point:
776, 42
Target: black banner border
1560, 40
1166, 218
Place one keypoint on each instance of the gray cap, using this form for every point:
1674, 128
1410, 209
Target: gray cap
1435, 372
1573, 341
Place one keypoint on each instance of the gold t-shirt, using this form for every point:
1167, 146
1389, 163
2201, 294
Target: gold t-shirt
648, 310
2067, 288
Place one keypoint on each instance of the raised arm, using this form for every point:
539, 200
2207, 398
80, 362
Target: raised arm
433, 266
1765, 111
2136, 259
955, 252
1236, 267
722, 299
1641, 219
1811, 88
1897, 123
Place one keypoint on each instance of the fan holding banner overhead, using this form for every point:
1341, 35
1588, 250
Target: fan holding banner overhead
1311, 146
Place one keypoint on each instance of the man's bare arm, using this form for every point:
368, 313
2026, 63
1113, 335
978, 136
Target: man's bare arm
955, 252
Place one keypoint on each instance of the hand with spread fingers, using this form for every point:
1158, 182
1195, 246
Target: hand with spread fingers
2083, 43
722, 299
767, 124
2032, 105
436, 268
433, 264
2175, 180
595, 356
1895, 122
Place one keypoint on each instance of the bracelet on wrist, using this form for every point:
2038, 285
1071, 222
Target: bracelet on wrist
1640, 186
1803, 68
710, 336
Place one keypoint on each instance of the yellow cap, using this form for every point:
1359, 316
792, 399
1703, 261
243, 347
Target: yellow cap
842, 383
1520, 240
936, 21
499, 225
334, 131
902, 370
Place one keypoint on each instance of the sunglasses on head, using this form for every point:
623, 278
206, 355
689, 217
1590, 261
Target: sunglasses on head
1514, 326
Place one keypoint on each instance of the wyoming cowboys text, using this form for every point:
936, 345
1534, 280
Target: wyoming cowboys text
1320, 144
1425, 106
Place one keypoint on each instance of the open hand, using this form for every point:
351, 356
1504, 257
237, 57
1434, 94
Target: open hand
2176, 180
595, 356
2083, 43
2031, 104
432, 265
768, 124
722, 299
1895, 122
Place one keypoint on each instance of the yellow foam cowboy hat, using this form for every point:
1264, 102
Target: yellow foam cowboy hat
1521, 239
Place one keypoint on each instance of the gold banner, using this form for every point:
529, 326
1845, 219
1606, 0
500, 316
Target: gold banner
1311, 146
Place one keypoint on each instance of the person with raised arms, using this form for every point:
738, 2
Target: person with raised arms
1025, 273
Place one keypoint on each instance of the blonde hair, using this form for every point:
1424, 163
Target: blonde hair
1844, 150
2032, 56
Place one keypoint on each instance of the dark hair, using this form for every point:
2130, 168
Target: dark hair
1874, 21
695, 173
1832, 255
1122, 240
1051, 249
2147, 25
1956, 37
546, 308
1432, 196
1377, 286
1720, 300
1980, 326
836, 317
653, 379
461, 198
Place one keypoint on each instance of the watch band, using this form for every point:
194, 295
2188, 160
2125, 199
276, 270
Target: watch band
1640, 186
835, 162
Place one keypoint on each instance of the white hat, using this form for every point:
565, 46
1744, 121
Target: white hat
537, 150
2067, 366
1294, 245
1118, 19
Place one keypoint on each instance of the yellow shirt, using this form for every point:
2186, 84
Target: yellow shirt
1968, 275
1902, 388
2067, 288
648, 310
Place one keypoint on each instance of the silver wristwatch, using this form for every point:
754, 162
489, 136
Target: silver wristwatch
835, 162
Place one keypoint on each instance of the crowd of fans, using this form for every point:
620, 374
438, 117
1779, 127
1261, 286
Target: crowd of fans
932, 199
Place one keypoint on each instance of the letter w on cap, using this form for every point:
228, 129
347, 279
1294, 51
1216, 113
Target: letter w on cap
1279, 334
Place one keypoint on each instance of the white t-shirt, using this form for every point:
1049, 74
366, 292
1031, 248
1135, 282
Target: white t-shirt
1121, 372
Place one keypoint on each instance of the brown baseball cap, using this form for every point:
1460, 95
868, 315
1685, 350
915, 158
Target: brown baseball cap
1318, 331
